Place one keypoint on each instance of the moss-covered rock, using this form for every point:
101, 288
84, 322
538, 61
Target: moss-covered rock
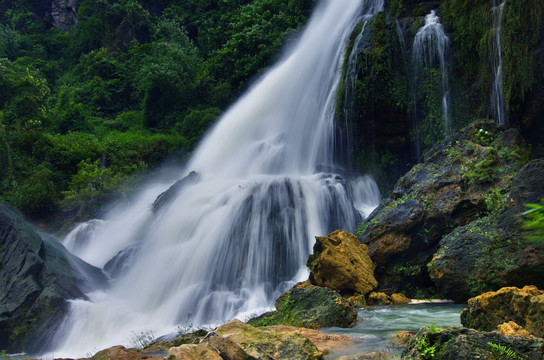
266, 344
452, 200
340, 262
524, 306
311, 307
462, 343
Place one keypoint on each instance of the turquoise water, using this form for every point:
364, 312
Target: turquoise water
378, 325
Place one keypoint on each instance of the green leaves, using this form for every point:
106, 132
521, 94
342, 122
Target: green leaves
535, 221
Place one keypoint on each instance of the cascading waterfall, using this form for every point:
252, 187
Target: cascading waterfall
430, 51
497, 97
235, 232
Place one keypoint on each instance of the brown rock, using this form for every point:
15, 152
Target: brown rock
379, 298
121, 353
524, 306
399, 299
226, 348
340, 262
511, 328
193, 352
267, 344
325, 342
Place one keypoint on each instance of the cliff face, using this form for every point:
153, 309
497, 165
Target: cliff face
63, 13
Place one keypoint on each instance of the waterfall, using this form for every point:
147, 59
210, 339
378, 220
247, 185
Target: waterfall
235, 231
497, 97
430, 52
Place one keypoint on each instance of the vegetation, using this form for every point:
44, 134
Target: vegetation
535, 221
85, 110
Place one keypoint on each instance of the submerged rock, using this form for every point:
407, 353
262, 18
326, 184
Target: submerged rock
524, 307
311, 307
37, 276
340, 262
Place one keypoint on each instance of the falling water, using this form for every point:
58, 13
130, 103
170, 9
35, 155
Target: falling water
430, 50
235, 231
497, 97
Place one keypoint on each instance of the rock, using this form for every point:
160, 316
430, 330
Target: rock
62, 13
121, 353
193, 352
379, 298
37, 276
311, 307
524, 306
266, 344
451, 201
340, 262
162, 201
226, 348
326, 343
462, 343
511, 328
399, 299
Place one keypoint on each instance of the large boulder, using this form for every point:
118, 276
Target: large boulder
121, 353
340, 262
37, 276
260, 343
459, 183
525, 307
466, 263
312, 307
461, 343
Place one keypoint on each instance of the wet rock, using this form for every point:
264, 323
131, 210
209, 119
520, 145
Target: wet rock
266, 344
399, 299
450, 202
121, 353
340, 262
462, 343
37, 276
326, 343
522, 306
311, 307
167, 197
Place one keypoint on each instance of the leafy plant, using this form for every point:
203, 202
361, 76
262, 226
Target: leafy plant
426, 350
535, 221
503, 352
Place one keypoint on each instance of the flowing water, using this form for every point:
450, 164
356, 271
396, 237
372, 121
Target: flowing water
431, 50
228, 238
378, 325
497, 96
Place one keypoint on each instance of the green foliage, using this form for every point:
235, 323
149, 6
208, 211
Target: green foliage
503, 352
426, 350
535, 221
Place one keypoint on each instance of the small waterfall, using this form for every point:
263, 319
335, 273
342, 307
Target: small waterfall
227, 239
497, 96
430, 53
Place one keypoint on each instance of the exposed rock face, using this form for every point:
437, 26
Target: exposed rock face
193, 352
524, 306
63, 13
452, 202
340, 262
462, 343
311, 307
37, 276
166, 198
266, 344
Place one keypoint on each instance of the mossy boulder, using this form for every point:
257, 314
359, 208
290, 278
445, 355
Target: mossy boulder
261, 343
461, 343
121, 353
523, 306
311, 307
340, 262
37, 277
459, 183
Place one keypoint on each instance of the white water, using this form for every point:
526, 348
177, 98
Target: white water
228, 243
430, 49
497, 97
